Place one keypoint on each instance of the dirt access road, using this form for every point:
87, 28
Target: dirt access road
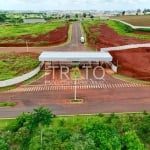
96, 100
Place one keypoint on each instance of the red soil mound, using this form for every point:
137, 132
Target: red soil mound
108, 38
134, 62
57, 36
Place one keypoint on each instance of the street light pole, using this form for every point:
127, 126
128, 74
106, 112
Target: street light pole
27, 46
41, 135
75, 90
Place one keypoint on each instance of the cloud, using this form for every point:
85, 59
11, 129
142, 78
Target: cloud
73, 4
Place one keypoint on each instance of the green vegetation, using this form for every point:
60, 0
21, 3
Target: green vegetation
92, 36
2, 89
12, 64
123, 29
138, 20
128, 79
37, 76
6, 104
75, 73
40, 129
28, 29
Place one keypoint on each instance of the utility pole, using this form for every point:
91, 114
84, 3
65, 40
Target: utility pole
41, 135
75, 89
27, 46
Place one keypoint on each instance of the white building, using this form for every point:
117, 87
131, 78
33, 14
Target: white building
34, 20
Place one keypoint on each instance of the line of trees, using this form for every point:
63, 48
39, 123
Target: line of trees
38, 131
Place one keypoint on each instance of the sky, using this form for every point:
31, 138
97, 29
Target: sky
74, 4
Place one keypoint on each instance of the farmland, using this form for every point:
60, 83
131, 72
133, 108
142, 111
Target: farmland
16, 64
38, 34
135, 20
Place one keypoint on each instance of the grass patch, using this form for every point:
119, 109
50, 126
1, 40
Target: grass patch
7, 104
6, 122
28, 29
75, 73
75, 101
2, 89
13, 65
129, 79
126, 30
29, 81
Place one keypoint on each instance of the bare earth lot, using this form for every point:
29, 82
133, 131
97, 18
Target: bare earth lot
135, 62
135, 20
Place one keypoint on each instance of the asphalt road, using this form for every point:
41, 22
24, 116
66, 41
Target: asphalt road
73, 45
103, 100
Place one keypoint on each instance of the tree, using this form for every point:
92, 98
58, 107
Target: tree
123, 13
67, 16
3, 17
138, 11
132, 142
76, 15
40, 116
3, 145
104, 136
84, 15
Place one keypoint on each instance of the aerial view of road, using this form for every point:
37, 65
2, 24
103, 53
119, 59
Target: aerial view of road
75, 75
110, 95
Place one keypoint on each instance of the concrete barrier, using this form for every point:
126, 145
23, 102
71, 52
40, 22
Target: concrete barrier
132, 26
125, 47
20, 79
113, 67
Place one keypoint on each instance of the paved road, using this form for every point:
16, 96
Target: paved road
95, 99
73, 45
105, 100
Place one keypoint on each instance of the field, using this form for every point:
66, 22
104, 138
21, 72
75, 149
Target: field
125, 30
42, 130
16, 64
135, 20
38, 34
111, 34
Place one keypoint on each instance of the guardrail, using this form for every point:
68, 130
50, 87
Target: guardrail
22, 78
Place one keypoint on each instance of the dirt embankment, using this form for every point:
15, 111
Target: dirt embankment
133, 62
108, 38
55, 37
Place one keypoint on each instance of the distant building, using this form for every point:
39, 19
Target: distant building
104, 18
34, 20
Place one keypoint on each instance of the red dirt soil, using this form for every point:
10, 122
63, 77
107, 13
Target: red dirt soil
133, 62
55, 37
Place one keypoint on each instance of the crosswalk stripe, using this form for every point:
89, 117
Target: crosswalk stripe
80, 85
